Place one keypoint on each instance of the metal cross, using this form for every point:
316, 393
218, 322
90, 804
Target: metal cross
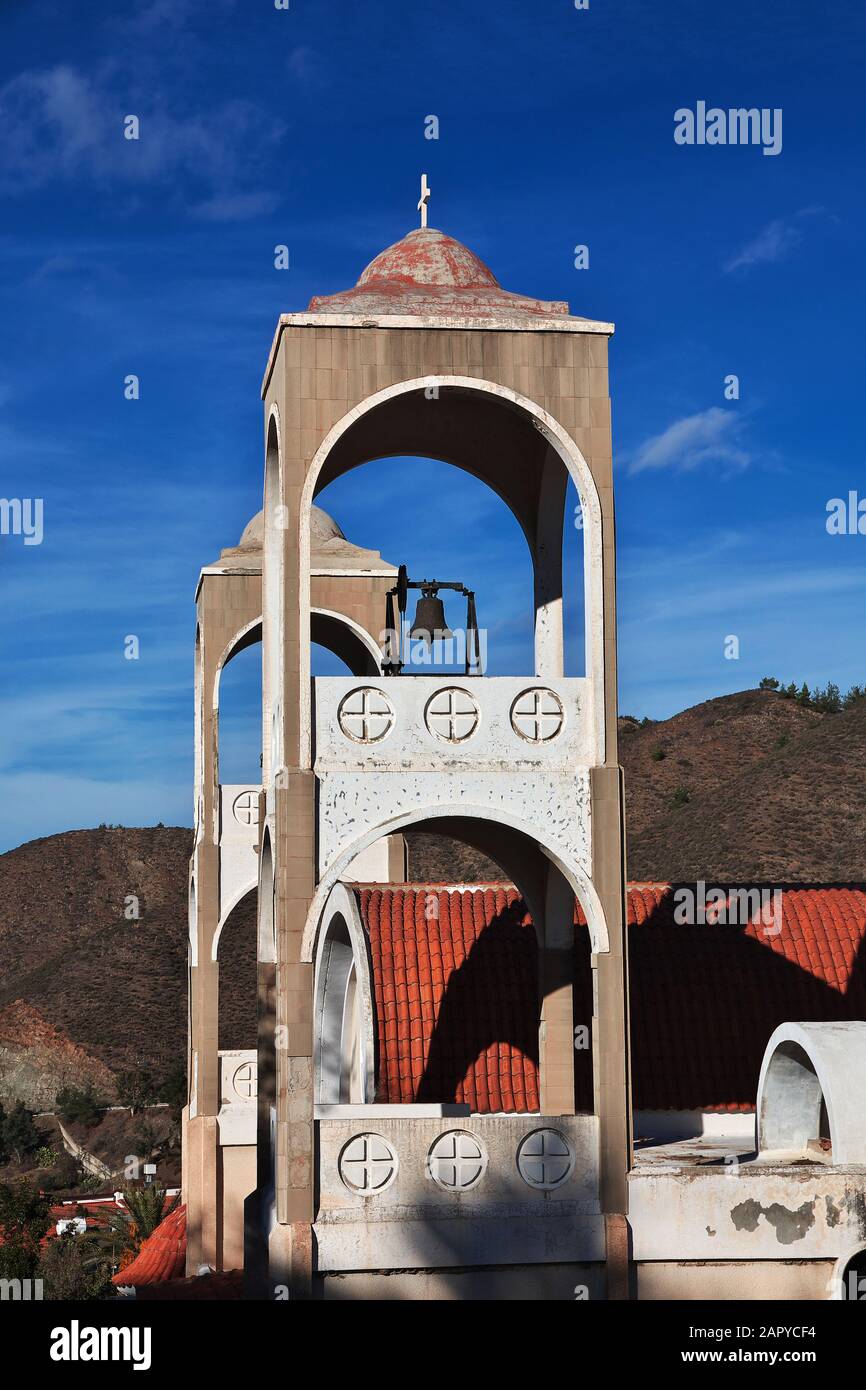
424, 200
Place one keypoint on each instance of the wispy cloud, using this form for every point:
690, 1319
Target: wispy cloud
710, 437
775, 242
63, 126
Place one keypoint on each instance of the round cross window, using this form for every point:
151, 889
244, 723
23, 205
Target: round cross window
545, 1159
456, 1160
368, 1164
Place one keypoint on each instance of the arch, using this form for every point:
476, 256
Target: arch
237, 992
266, 949
581, 884
273, 635
236, 898
347, 639
339, 633
343, 979
192, 921
560, 448
808, 1066
848, 1280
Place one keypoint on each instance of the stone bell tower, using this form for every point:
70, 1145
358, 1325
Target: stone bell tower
428, 356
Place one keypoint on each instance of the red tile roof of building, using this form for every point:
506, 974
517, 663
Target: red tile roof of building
162, 1256
455, 984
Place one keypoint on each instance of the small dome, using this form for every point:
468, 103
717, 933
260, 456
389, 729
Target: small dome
322, 528
431, 274
428, 257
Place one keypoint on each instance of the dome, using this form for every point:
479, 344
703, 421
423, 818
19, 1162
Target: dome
429, 257
322, 528
431, 274
328, 547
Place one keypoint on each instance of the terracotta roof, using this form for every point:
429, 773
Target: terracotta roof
430, 273
455, 985
162, 1256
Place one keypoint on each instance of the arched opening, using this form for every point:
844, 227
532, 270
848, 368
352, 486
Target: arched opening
793, 1116
479, 990
237, 713
272, 606
237, 976
460, 531
343, 1027
520, 452
852, 1278
266, 949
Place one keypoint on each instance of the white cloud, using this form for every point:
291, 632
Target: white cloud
710, 437
774, 242
61, 125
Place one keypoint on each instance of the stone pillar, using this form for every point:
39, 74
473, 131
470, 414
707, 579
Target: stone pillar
291, 1246
556, 1042
610, 1023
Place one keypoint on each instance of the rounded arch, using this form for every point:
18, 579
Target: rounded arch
811, 1070
347, 640
267, 941
579, 881
344, 1024
273, 636
558, 458
234, 945
237, 897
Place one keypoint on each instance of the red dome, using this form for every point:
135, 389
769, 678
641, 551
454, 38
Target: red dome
431, 274
428, 257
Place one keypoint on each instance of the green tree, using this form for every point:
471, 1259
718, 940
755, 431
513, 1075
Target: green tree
136, 1089
145, 1207
75, 1267
768, 683
803, 696
20, 1135
73, 1105
25, 1215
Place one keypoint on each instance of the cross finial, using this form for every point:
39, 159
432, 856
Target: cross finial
424, 199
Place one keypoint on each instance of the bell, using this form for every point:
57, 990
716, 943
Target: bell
430, 624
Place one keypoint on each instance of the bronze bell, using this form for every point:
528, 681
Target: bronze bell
430, 625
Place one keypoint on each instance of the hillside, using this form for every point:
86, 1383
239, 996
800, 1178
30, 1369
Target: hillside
776, 793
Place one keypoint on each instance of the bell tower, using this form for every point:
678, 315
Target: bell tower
428, 356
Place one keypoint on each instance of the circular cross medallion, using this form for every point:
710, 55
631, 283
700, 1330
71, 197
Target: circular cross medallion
452, 715
244, 1081
456, 1160
545, 1159
368, 1164
537, 715
245, 808
366, 715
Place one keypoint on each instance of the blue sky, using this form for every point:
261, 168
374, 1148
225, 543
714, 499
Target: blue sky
306, 127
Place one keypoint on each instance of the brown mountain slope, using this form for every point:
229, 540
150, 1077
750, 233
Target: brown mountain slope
796, 813
115, 986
